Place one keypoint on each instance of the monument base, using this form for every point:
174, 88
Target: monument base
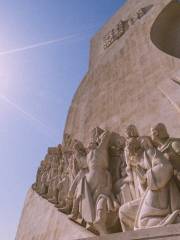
40, 220
171, 232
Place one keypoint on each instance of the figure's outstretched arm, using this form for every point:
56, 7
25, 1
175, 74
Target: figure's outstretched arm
104, 139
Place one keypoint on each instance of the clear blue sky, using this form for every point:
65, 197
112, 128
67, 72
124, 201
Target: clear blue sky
37, 83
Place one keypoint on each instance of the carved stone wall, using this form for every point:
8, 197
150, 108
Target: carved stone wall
130, 81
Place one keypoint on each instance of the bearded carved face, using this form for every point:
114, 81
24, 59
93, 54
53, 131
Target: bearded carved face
131, 131
159, 133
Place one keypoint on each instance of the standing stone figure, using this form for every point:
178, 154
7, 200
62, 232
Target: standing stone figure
117, 164
130, 190
53, 173
128, 210
79, 169
55, 186
44, 178
95, 188
170, 147
68, 172
37, 185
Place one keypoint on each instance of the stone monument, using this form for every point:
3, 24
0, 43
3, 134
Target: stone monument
116, 174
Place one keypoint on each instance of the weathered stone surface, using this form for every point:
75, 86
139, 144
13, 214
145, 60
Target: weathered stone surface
165, 31
171, 232
42, 221
124, 81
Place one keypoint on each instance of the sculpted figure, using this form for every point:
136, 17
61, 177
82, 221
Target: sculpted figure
78, 168
44, 178
37, 185
95, 188
67, 152
64, 181
117, 159
128, 210
41, 184
67, 175
62, 188
74, 158
53, 174
53, 198
117, 164
68, 143
160, 204
140, 174
170, 147
54, 157
98, 180
50, 162
132, 155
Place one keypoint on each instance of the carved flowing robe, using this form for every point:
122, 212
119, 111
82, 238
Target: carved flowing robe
133, 189
95, 187
160, 204
171, 149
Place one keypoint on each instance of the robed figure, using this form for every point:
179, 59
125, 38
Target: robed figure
160, 204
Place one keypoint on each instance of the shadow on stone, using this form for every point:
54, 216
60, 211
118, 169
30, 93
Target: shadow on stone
165, 32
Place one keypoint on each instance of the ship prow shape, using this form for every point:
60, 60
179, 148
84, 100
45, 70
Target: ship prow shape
41, 220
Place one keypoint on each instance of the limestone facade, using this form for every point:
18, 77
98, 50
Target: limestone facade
128, 82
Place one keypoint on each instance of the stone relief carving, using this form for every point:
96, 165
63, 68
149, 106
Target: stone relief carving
122, 27
115, 33
116, 183
159, 205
